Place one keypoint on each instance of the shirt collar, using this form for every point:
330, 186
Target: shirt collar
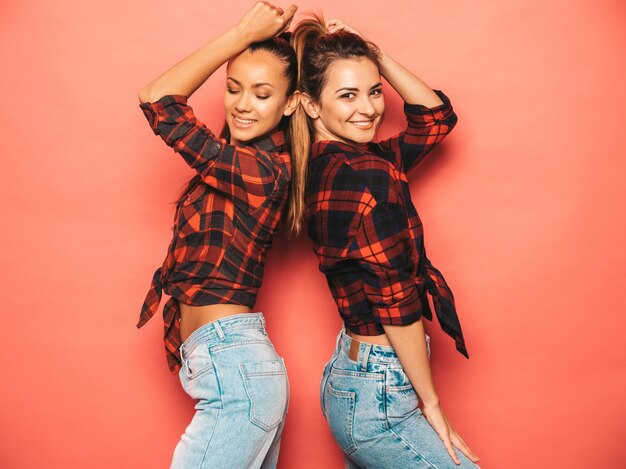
333, 146
274, 141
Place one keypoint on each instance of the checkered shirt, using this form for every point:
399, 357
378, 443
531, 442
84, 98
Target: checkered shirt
366, 231
224, 228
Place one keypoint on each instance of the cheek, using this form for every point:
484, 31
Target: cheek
228, 101
381, 107
270, 111
337, 113
344, 114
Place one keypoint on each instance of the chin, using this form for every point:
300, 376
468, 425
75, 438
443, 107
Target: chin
242, 135
362, 138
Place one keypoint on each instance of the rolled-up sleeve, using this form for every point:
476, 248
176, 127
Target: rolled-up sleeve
241, 173
380, 246
426, 128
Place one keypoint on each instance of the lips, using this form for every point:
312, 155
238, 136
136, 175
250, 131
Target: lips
364, 124
243, 123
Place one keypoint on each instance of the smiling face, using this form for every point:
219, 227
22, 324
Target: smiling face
256, 95
351, 104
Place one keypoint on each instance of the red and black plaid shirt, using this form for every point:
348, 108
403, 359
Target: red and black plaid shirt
225, 226
367, 234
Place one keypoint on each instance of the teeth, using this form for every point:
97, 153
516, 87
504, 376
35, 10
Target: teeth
244, 121
362, 124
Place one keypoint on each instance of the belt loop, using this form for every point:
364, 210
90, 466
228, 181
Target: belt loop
263, 323
218, 329
365, 355
341, 332
182, 354
183, 360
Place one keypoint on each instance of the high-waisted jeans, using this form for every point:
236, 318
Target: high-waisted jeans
371, 408
231, 368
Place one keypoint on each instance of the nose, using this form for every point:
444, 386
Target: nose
243, 103
366, 107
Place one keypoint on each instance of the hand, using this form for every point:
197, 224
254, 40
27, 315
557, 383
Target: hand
437, 419
264, 21
335, 24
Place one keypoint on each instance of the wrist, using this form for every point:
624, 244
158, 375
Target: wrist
430, 404
242, 35
383, 62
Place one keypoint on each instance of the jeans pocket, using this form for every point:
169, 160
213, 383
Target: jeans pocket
340, 415
324, 380
198, 362
198, 377
266, 386
401, 399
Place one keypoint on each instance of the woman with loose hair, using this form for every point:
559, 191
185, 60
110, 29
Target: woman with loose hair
369, 241
224, 225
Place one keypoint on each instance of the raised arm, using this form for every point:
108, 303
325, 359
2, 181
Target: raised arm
410, 88
430, 116
239, 172
260, 22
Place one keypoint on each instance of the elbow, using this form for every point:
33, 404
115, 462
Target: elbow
144, 95
452, 120
148, 95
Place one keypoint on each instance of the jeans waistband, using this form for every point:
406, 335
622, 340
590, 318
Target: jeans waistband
219, 329
371, 353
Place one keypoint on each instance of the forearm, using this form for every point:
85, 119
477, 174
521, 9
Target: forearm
409, 87
188, 75
409, 343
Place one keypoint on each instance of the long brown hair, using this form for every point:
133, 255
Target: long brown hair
317, 50
282, 49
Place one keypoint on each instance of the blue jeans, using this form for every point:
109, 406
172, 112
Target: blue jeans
231, 368
371, 408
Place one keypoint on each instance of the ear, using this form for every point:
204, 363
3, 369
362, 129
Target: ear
292, 103
310, 107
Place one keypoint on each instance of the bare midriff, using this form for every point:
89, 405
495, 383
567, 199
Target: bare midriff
370, 339
194, 317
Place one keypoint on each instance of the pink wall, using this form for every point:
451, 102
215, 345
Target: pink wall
523, 207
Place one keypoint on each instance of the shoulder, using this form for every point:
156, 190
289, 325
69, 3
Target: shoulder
355, 172
281, 164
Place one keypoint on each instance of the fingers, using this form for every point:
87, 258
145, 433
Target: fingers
458, 442
287, 17
437, 420
448, 444
289, 12
333, 25
284, 28
278, 10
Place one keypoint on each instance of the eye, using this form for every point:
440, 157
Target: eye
349, 95
263, 97
232, 91
377, 92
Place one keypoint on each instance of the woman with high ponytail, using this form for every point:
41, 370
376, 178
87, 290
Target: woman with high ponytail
224, 224
370, 245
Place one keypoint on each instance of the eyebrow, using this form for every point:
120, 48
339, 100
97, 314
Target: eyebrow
256, 85
377, 85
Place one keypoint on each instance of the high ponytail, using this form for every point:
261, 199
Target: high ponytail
316, 50
301, 130
280, 46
